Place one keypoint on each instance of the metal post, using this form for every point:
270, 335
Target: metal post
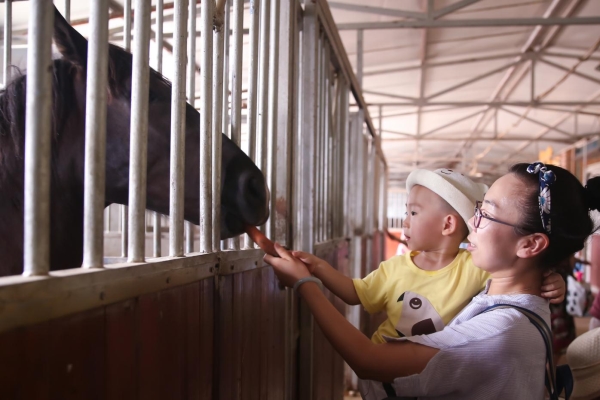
317, 224
95, 137
67, 10
206, 131
236, 84
37, 139
178, 106
217, 137
191, 97
139, 132
7, 40
127, 47
156, 219
272, 112
252, 86
226, 244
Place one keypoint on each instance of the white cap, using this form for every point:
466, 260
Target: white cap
458, 190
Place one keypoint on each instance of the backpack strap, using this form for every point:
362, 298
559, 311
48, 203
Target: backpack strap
564, 373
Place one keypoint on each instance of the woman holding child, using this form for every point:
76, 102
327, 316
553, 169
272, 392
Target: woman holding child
530, 220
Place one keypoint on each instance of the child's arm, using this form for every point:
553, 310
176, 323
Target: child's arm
381, 362
339, 284
553, 287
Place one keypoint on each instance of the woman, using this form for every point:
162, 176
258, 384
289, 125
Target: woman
530, 220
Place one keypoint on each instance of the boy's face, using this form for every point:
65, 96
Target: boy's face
425, 213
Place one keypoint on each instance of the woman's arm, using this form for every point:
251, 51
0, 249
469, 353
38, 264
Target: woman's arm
382, 362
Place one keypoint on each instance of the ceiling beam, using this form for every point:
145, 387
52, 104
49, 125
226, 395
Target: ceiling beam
515, 103
388, 12
452, 8
470, 23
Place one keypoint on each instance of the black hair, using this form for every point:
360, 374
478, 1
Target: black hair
569, 212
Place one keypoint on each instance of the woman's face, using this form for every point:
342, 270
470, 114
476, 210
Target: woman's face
494, 245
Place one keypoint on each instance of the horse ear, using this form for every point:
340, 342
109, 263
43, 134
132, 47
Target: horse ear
71, 44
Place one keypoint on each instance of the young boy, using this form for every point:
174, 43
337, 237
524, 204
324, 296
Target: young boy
422, 290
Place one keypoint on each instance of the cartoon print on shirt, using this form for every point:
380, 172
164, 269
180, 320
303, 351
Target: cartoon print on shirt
418, 317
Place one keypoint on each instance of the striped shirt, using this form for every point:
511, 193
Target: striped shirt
495, 355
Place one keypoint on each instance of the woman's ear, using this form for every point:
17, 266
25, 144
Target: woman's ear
532, 245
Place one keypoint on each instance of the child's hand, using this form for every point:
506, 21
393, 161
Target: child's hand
553, 287
288, 268
312, 262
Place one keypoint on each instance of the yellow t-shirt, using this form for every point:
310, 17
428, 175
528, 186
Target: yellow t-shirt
418, 302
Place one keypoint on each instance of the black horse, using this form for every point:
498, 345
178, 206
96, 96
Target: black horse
244, 192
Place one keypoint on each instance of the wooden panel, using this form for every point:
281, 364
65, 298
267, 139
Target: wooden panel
23, 363
172, 330
277, 337
75, 357
207, 340
251, 340
121, 360
225, 361
149, 350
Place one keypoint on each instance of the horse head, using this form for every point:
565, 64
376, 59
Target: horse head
244, 194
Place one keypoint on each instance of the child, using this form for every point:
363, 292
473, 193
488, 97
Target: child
422, 290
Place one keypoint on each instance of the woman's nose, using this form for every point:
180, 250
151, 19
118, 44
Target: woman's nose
471, 223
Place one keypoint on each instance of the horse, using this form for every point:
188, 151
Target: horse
244, 192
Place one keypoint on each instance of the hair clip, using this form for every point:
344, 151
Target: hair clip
546, 178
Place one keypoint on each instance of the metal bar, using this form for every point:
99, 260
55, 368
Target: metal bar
359, 56
139, 132
536, 122
317, 223
191, 94
391, 96
7, 40
570, 71
388, 12
177, 129
156, 219
236, 81
272, 113
189, 237
217, 137
206, 129
452, 8
450, 124
95, 137
226, 244
470, 23
472, 80
127, 25
127, 47
466, 59
37, 139
515, 103
252, 87
67, 10
263, 85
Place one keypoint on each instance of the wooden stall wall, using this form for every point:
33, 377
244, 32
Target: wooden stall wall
219, 338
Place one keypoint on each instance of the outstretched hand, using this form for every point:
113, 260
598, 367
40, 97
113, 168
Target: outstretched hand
288, 268
312, 262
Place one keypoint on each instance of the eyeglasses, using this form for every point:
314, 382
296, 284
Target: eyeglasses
479, 216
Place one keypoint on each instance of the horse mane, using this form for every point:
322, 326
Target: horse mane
12, 109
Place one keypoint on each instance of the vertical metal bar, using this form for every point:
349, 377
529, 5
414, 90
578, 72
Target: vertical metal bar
156, 219
217, 137
206, 131
318, 100
263, 85
178, 106
95, 137
67, 10
345, 151
305, 187
236, 84
37, 139
127, 47
226, 127
359, 56
127, 25
7, 40
139, 132
252, 87
191, 94
272, 113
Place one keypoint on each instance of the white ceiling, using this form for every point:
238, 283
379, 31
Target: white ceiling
480, 58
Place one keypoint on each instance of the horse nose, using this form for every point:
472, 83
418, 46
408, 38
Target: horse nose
254, 199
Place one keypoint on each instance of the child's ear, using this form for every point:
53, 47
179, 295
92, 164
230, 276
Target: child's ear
532, 245
451, 225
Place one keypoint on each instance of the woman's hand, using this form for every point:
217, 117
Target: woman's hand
553, 287
288, 268
312, 262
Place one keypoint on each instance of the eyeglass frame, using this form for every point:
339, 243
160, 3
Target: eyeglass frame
479, 216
